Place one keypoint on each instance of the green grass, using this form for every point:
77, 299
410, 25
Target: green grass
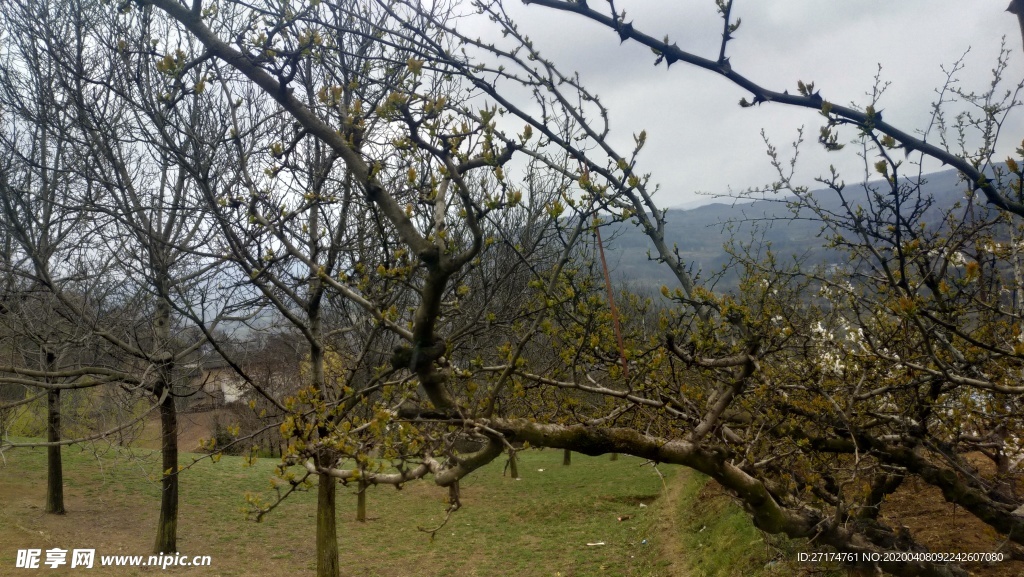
536, 526
720, 539
718, 535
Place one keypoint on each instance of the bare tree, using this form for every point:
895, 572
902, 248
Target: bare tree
134, 200
39, 218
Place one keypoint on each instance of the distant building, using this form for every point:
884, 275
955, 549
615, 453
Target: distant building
215, 382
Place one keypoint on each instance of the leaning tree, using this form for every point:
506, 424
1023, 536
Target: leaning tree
812, 395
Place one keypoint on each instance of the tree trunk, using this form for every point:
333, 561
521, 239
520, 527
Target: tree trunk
167, 526
326, 528
54, 467
614, 457
454, 500
361, 502
566, 458
513, 464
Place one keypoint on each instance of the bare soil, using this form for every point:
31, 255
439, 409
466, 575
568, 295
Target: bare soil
946, 528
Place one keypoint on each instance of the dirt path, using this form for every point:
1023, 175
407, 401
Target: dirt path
669, 543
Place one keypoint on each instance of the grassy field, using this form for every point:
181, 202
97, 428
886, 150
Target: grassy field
717, 538
539, 525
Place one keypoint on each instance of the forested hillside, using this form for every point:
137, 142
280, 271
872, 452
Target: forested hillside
704, 234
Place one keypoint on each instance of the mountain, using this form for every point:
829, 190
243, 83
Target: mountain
701, 233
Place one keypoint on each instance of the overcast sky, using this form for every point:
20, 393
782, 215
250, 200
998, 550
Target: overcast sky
700, 140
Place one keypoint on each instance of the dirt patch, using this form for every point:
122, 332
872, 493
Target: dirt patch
96, 522
946, 528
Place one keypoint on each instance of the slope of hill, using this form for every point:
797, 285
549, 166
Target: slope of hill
701, 233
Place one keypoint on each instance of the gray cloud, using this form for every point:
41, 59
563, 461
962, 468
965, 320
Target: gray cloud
699, 139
